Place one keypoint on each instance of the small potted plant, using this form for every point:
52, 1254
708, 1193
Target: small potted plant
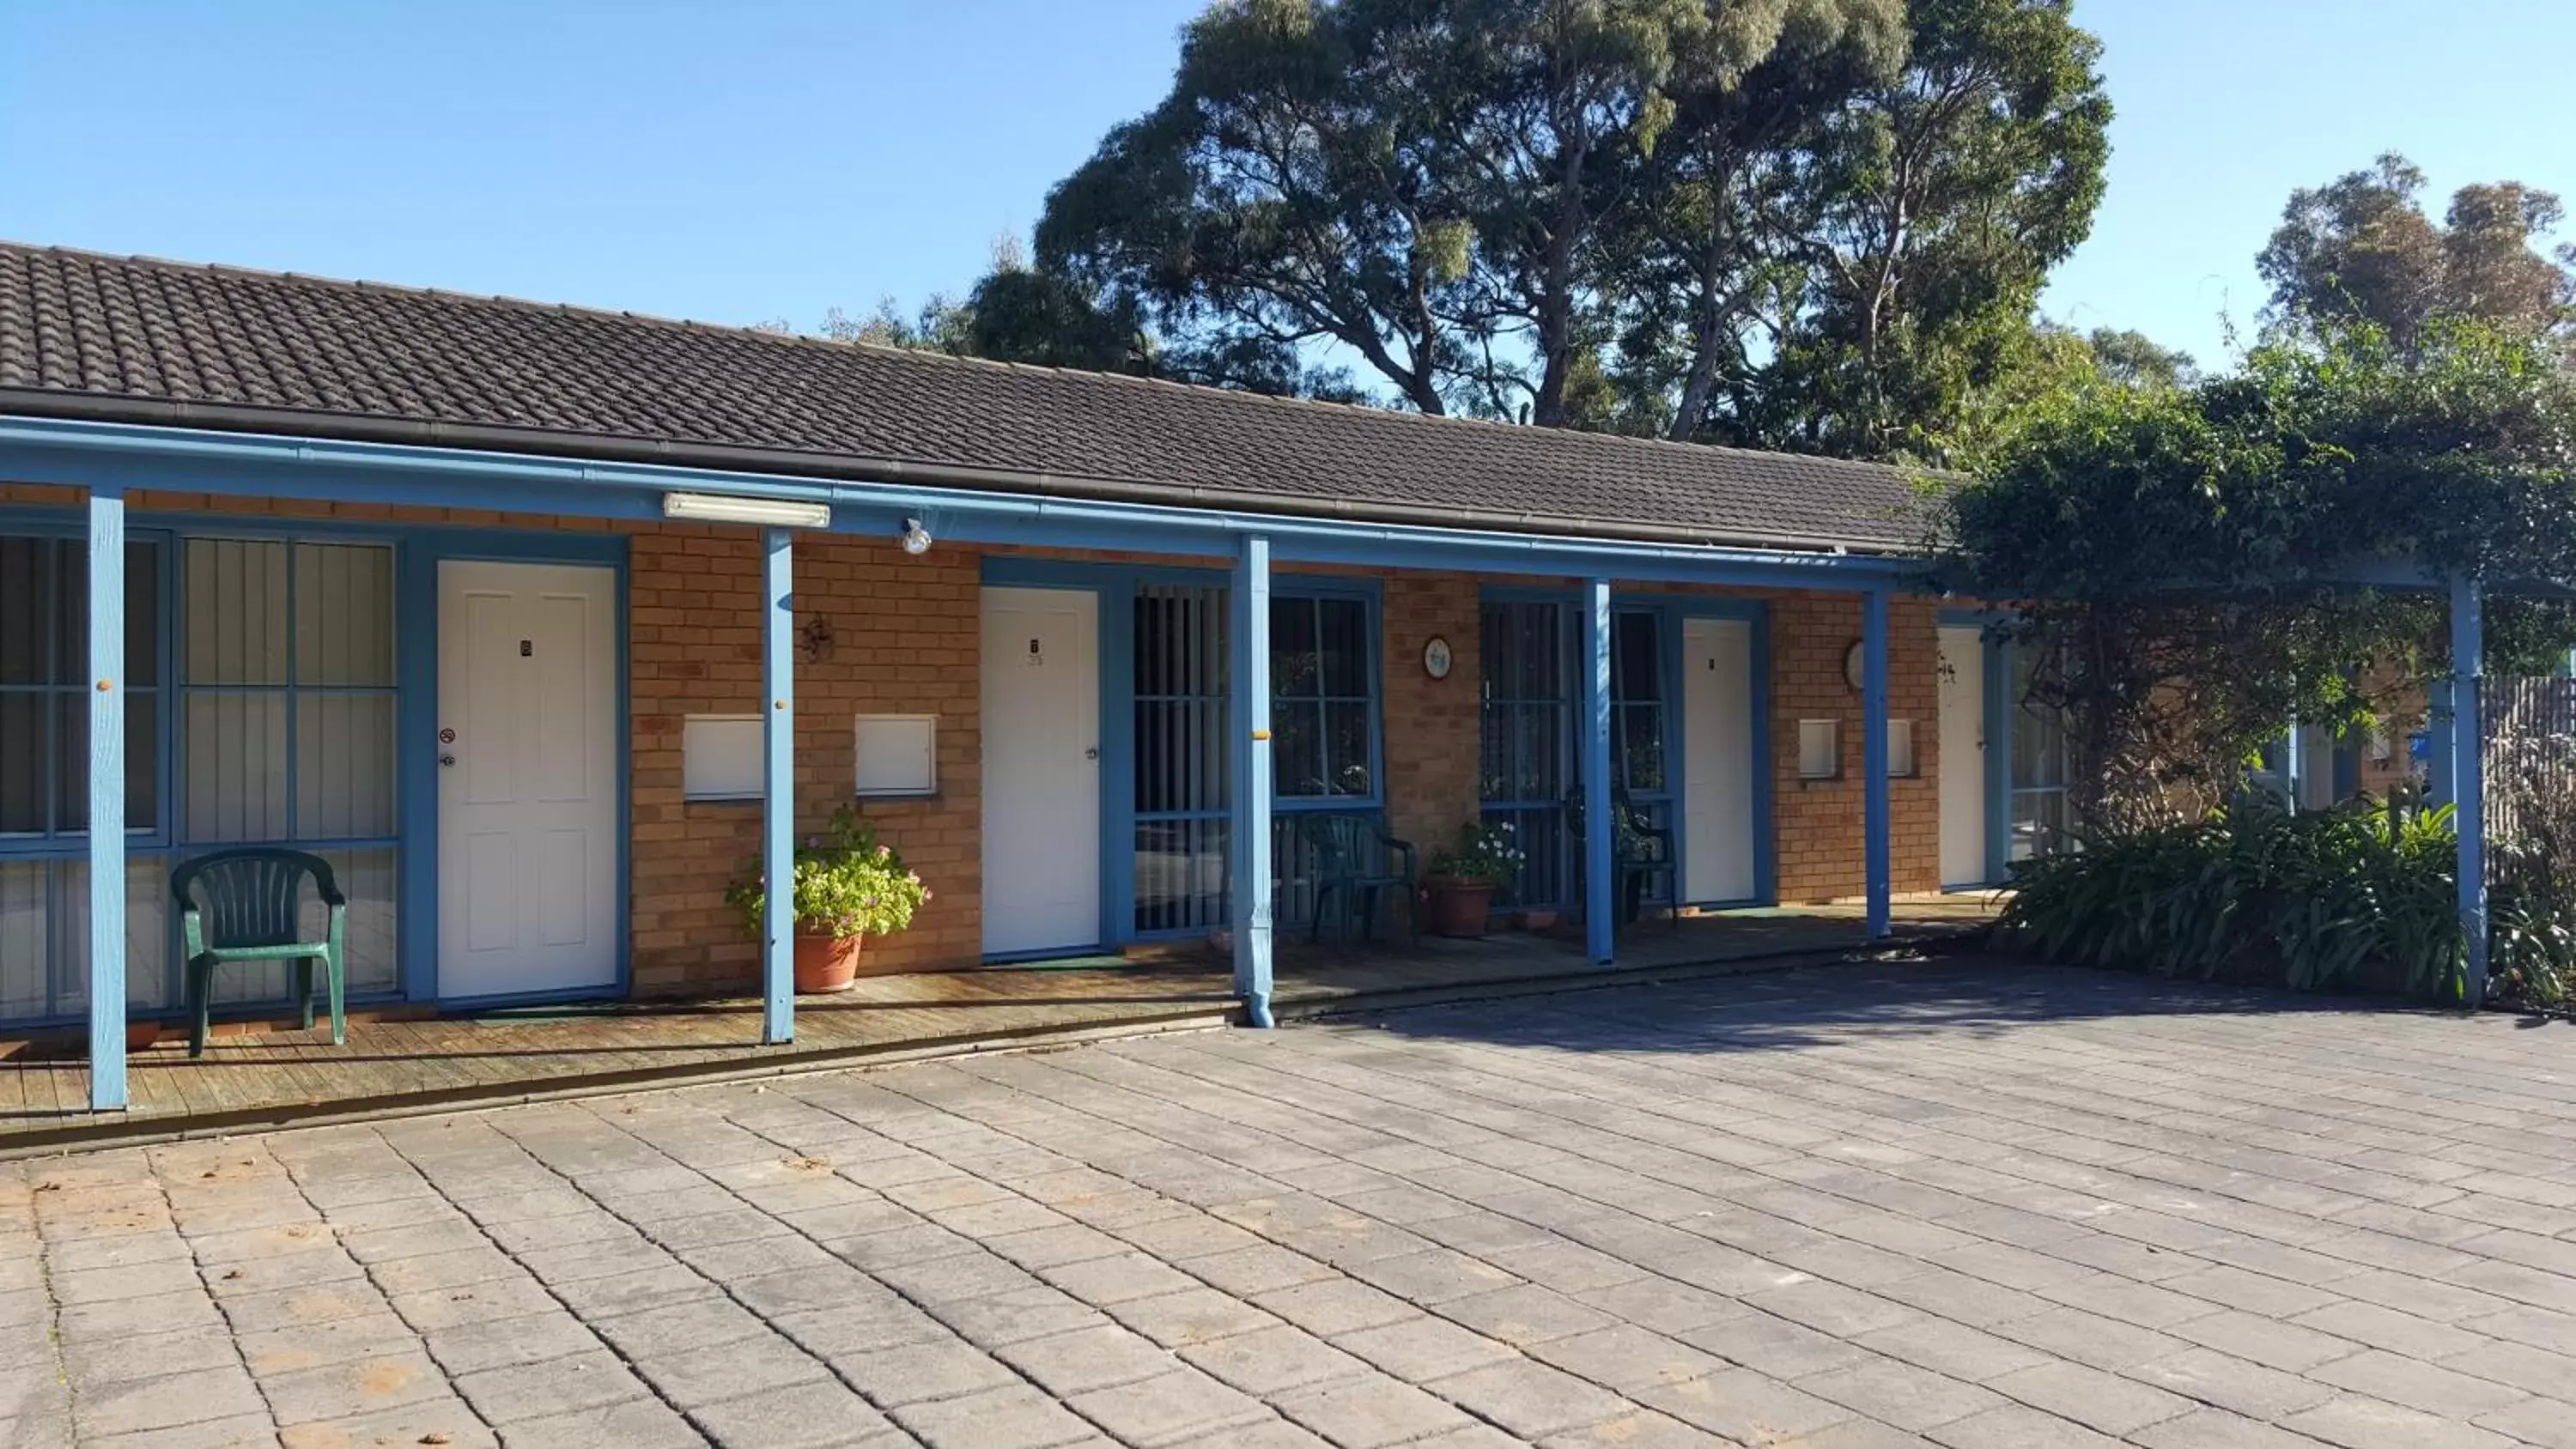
1461, 882
849, 886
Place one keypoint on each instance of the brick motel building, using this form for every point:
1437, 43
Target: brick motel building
541, 625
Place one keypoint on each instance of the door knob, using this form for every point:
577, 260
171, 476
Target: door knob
1092, 754
447, 762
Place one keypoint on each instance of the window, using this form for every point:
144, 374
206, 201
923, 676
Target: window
1900, 749
287, 722
45, 690
1637, 702
1183, 782
1322, 694
897, 754
1527, 718
45, 687
720, 757
2039, 765
1820, 749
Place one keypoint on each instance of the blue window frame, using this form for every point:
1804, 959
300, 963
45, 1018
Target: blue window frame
1323, 698
1526, 765
44, 768
1643, 718
1182, 782
287, 723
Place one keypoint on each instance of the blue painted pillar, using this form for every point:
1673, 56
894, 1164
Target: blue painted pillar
106, 800
1249, 632
2294, 767
1873, 713
2437, 768
2468, 774
1600, 812
778, 788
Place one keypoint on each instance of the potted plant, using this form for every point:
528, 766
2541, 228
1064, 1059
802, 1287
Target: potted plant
1461, 883
849, 886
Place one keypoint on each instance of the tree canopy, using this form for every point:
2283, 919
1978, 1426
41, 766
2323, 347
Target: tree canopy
2362, 248
1815, 224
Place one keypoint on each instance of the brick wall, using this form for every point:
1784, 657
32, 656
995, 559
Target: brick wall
1820, 846
1432, 726
903, 639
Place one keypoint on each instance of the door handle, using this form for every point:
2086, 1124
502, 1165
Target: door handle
447, 762
1092, 754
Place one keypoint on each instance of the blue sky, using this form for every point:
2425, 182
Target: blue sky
771, 159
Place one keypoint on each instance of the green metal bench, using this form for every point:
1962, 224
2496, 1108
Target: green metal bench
245, 907
1354, 863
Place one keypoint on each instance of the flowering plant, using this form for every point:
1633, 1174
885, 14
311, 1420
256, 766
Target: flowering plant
848, 884
1485, 853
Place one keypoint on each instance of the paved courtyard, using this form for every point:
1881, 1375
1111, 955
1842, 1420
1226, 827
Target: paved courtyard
1965, 1204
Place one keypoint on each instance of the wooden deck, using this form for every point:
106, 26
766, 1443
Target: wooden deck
250, 1081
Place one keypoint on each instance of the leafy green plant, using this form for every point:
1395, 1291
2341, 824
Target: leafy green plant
2357, 898
848, 884
1484, 855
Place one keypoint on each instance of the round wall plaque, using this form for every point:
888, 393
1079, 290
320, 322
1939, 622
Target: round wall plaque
1435, 658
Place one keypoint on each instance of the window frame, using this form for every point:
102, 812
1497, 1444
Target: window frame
54, 841
293, 691
1314, 594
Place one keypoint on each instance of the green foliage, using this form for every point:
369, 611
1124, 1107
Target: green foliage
848, 884
2362, 249
1486, 852
2358, 898
2182, 551
1804, 223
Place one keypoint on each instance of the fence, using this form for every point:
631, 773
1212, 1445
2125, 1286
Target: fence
2529, 725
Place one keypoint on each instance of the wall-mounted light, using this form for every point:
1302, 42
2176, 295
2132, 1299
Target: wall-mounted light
916, 539
724, 508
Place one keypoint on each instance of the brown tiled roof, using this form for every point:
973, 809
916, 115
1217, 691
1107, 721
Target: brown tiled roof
85, 335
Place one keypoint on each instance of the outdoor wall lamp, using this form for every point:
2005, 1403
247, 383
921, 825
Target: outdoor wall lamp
916, 539
726, 508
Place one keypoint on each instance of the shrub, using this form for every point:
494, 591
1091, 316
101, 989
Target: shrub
2361, 897
848, 884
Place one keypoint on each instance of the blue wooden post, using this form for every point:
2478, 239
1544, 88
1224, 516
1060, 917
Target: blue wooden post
1600, 814
2437, 767
2294, 767
2468, 775
106, 800
778, 788
1873, 713
1250, 635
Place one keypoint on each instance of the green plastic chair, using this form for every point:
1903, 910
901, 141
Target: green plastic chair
1638, 849
1355, 864
251, 912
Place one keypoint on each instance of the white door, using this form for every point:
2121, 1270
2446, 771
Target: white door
527, 779
1041, 716
1717, 754
1963, 756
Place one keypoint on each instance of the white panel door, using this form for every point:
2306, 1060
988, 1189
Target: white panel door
527, 780
1717, 753
1041, 728
1963, 756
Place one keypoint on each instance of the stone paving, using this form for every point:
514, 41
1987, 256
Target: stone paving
1964, 1204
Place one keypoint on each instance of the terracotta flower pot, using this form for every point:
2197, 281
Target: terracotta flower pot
825, 964
1538, 922
1460, 907
140, 1035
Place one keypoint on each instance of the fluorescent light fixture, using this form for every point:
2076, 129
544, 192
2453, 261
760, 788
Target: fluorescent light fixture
916, 539
723, 508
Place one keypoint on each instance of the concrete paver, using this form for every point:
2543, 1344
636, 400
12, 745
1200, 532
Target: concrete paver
1968, 1204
